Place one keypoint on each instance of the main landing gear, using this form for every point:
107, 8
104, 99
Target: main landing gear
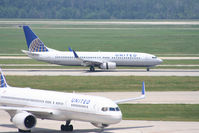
148, 69
92, 68
67, 127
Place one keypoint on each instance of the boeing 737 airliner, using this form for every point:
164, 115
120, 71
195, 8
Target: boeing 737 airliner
104, 60
25, 105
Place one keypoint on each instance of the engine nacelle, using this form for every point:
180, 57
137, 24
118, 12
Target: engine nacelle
99, 125
108, 65
24, 120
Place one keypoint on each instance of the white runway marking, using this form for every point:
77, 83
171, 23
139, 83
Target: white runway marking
24, 65
58, 22
117, 72
125, 126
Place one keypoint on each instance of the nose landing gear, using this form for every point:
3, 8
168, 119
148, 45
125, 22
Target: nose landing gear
67, 127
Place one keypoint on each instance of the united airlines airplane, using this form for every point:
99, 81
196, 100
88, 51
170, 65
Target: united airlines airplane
103, 60
25, 105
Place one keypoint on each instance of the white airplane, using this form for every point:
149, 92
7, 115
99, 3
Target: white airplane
104, 60
25, 105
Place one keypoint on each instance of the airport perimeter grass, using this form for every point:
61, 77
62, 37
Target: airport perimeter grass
105, 83
158, 39
163, 112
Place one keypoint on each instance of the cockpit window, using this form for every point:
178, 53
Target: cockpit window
105, 109
117, 109
154, 57
111, 109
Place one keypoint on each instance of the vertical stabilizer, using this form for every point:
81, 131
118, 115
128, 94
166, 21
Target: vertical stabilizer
3, 83
33, 42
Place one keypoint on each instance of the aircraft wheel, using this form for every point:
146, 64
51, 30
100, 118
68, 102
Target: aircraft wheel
24, 131
92, 68
63, 127
70, 127
66, 127
148, 69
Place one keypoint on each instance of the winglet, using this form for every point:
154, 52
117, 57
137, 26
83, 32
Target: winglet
143, 88
133, 99
70, 49
3, 83
75, 54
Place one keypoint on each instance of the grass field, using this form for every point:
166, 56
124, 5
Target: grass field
105, 83
163, 112
155, 39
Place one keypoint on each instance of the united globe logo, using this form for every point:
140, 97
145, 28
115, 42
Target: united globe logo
37, 46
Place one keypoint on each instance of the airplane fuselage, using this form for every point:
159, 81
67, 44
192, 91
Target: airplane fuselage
120, 58
64, 106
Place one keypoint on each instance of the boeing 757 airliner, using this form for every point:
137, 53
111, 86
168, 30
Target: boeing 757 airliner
104, 60
25, 105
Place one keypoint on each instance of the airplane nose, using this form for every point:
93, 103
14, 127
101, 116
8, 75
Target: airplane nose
117, 118
160, 60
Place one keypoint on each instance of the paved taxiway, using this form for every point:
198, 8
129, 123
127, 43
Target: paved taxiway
19, 22
169, 97
127, 126
116, 72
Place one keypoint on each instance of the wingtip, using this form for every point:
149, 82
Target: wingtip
70, 49
143, 88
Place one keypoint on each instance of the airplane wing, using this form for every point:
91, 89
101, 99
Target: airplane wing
39, 112
135, 98
87, 62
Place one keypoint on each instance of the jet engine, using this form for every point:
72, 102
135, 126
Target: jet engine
24, 120
108, 65
99, 125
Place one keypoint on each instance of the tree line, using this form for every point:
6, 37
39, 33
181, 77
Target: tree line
100, 9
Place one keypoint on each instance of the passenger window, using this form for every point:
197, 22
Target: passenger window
154, 57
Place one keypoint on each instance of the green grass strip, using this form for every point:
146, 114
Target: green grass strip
105, 83
163, 112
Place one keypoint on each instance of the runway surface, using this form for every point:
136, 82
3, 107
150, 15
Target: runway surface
127, 126
19, 22
116, 72
169, 97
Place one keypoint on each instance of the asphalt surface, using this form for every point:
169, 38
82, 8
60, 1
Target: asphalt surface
98, 72
127, 126
168, 97
21, 22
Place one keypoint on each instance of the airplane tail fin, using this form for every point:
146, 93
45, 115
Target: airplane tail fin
33, 42
3, 83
